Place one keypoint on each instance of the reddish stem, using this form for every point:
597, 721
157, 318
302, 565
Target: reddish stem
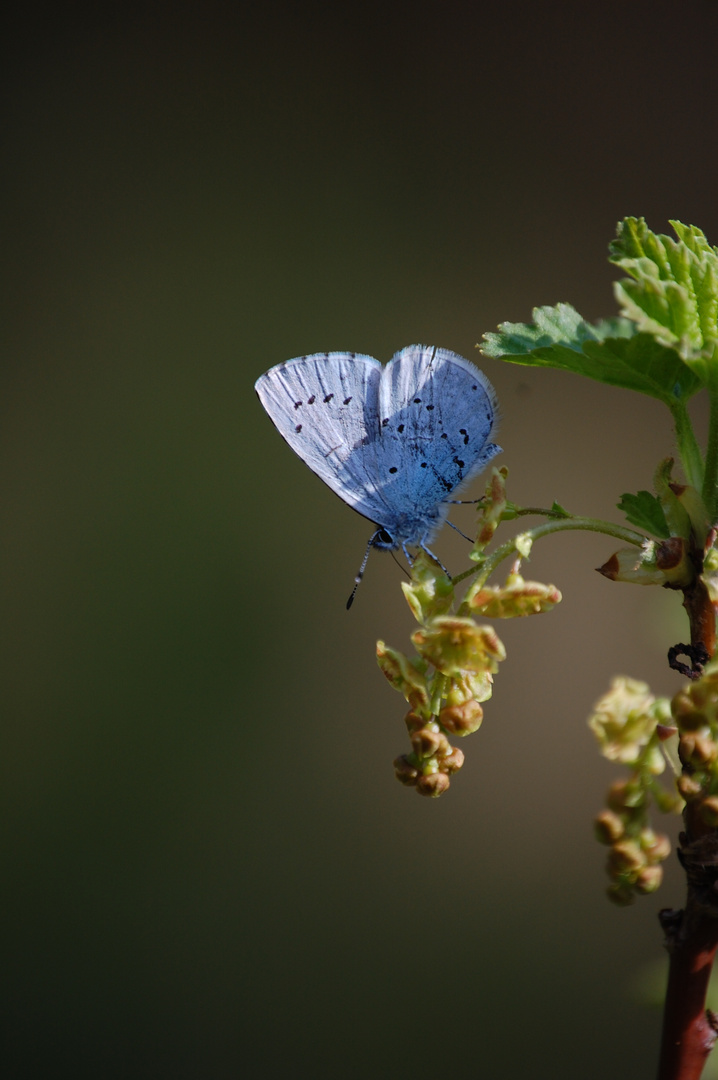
689, 1030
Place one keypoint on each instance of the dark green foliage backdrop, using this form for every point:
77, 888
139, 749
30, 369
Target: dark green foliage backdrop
209, 869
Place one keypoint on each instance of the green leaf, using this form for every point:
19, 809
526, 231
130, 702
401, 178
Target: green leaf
611, 352
672, 291
645, 511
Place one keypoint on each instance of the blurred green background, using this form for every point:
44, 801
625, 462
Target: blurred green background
209, 868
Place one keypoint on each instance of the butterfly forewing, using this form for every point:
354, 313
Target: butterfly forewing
324, 406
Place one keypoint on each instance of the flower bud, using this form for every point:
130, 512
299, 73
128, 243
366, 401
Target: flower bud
690, 787
687, 716
402, 675
462, 719
405, 772
453, 761
426, 743
697, 749
467, 687
608, 827
430, 591
491, 508
625, 857
623, 796
656, 846
413, 721
649, 879
433, 785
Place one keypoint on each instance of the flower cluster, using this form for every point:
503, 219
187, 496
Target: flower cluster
451, 675
444, 685
635, 729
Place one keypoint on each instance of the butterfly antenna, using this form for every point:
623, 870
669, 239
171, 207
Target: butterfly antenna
362, 568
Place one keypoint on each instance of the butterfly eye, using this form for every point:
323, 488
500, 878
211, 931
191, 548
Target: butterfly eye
384, 539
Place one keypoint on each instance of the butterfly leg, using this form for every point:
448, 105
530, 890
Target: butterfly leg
431, 555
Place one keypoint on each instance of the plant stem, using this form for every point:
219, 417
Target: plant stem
710, 479
688, 449
563, 524
689, 1030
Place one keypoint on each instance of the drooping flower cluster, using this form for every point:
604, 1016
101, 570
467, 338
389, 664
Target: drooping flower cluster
634, 728
451, 675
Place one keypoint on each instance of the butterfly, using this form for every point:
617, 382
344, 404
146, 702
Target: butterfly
395, 442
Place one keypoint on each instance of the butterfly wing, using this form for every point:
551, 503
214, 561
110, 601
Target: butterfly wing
326, 407
437, 415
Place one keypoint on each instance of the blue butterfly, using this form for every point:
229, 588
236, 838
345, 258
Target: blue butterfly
395, 442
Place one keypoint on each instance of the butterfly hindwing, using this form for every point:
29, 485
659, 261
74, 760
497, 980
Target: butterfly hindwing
438, 414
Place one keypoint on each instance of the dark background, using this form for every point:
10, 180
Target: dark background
209, 869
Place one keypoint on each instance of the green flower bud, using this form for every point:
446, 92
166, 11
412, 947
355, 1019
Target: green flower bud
649, 879
430, 591
517, 597
664, 562
656, 846
695, 508
625, 796
455, 645
677, 519
490, 509
403, 676
466, 687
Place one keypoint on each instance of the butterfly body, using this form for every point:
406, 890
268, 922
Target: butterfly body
395, 442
